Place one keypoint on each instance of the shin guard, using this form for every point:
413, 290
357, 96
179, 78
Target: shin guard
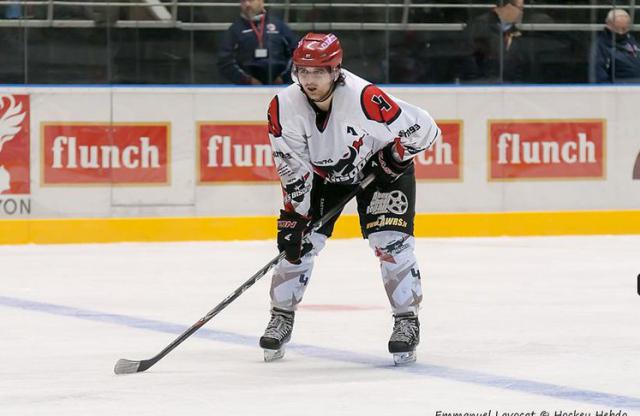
400, 272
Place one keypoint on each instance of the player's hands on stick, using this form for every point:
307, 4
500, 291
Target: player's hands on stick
291, 229
386, 167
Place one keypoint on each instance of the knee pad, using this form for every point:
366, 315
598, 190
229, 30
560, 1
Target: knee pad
392, 245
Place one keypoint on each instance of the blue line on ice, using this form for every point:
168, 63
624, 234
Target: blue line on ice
453, 374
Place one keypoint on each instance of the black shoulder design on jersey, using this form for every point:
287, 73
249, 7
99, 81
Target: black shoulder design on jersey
378, 106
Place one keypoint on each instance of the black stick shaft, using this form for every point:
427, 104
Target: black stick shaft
145, 364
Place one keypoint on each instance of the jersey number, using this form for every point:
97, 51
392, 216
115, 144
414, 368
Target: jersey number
381, 102
303, 279
378, 106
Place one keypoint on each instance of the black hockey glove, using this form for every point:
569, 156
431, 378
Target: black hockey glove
386, 167
291, 227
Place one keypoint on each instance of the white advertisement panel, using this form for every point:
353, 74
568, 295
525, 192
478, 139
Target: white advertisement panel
153, 152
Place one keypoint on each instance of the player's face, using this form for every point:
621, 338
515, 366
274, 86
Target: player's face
316, 82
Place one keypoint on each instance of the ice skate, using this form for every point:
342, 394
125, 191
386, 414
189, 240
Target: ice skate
404, 338
277, 334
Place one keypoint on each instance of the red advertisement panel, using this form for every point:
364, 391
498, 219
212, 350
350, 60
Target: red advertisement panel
14, 145
443, 160
235, 152
94, 153
526, 149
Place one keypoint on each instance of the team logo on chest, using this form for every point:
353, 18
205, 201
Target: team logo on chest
347, 167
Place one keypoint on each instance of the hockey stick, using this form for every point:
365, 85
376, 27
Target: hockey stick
124, 366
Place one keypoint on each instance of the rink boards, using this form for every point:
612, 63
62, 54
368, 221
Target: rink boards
95, 164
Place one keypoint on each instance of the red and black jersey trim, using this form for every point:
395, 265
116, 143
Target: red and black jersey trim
273, 115
378, 106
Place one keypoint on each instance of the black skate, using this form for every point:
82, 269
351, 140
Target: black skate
277, 334
404, 338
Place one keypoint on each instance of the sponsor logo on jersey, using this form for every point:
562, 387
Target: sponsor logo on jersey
530, 149
105, 153
443, 160
282, 155
284, 170
408, 132
237, 152
394, 202
296, 190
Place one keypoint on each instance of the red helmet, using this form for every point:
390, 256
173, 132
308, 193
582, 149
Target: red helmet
318, 49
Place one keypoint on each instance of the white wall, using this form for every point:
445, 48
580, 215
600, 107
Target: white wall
474, 191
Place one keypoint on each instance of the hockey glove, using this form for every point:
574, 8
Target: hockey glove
291, 227
386, 167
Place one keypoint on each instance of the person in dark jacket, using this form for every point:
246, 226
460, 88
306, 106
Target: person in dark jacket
492, 37
616, 54
257, 47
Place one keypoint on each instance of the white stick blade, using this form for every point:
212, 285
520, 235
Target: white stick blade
126, 366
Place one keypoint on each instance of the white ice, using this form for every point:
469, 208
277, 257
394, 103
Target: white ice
508, 325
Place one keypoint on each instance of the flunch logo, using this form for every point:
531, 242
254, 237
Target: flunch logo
235, 152
95, 153
14, 145
443, 160
520, 149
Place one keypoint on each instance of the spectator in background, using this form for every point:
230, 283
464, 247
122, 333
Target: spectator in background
493, 42
13, 11
616, 54
257, 48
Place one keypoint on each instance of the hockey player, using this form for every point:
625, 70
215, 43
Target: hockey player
328, 130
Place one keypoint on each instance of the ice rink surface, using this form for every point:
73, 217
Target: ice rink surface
508, 325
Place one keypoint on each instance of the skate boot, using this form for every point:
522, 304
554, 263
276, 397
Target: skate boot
404, 338
277, 334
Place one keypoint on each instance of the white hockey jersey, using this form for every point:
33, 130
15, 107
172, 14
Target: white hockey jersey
362, 120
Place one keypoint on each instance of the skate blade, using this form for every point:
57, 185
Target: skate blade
273, 355
404, 358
